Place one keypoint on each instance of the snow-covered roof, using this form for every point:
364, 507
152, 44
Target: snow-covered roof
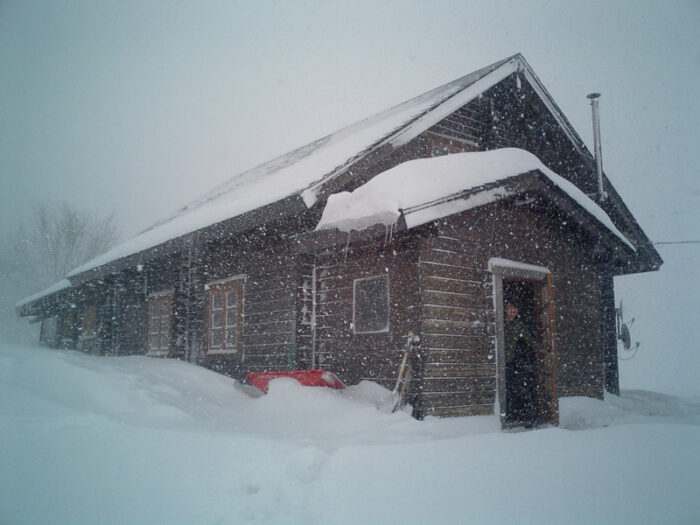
56, 287
305, 170
422, 190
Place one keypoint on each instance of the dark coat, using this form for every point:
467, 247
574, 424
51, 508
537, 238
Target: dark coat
517, 334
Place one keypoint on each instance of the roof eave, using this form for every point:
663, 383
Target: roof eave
277, 210
583, 217
534, 182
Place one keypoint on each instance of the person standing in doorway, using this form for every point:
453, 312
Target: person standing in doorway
521, 368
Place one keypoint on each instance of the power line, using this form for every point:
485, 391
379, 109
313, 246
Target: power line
675, 242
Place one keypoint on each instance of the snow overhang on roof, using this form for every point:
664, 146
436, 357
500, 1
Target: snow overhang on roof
424, 190
63, 284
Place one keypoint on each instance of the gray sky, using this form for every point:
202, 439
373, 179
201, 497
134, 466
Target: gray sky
139, 106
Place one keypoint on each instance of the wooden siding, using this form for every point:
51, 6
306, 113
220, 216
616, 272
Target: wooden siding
374, 356
511, 115
109, 325
269, 306
457, 328
457, 319
609, 332
468, 124
131, 313
304, 312
276, 335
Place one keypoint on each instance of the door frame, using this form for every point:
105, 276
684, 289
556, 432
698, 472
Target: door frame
505, 269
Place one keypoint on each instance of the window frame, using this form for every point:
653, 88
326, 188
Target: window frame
160, 299
88, 322
236, 285
50, 334
387, 328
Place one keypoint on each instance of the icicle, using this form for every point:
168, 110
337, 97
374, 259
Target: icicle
347, 247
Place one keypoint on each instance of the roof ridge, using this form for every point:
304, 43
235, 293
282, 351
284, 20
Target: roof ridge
472, 77
306, 149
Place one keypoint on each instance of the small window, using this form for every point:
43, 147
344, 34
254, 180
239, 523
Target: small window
225, 314
49, 331
371, 304
159, 307
88, 325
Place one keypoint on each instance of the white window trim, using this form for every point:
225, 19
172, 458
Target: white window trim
504, 269
159, 295
159, 353
221, 351
388, 305
517, 268
227, 280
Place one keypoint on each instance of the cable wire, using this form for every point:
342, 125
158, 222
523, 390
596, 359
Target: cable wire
675, 242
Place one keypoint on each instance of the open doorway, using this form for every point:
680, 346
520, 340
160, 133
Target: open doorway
521, 347
527, 389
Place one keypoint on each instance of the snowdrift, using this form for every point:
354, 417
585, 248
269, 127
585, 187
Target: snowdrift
138, 440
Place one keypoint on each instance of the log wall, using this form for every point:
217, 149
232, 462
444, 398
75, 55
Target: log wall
457, 326
373, 356
511, 115
131, 313
457, 320
269, 305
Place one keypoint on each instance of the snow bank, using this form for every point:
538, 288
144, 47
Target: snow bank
140, 440
418, 188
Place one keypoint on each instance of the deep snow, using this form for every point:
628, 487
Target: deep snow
140, 440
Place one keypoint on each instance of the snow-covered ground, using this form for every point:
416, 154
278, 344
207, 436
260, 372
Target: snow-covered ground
90, 440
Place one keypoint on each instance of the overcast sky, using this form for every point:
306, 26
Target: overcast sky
140, 106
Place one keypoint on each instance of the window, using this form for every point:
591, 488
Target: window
225, 316
49, 332
159, 323
88, 322
371, 304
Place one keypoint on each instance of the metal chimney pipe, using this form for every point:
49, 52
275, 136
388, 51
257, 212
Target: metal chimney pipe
596, 143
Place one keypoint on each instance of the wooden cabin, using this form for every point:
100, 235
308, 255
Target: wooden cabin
426, 218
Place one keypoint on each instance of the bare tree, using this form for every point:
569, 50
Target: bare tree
42, 249
57, 238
